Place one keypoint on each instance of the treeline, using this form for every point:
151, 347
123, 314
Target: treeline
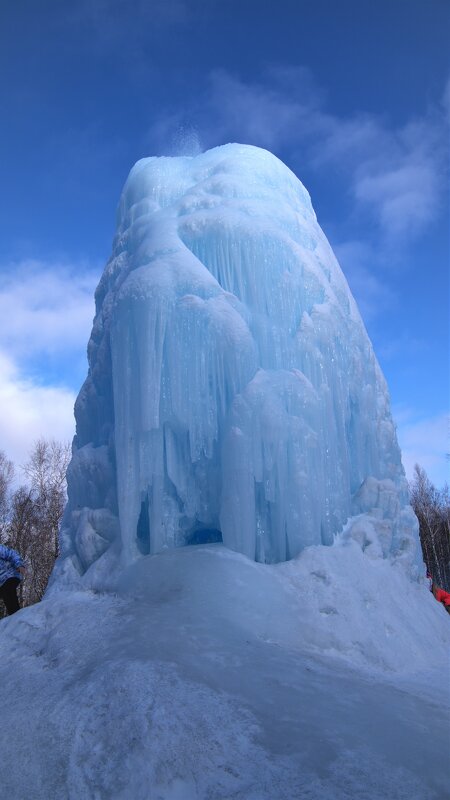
30, 513
432, 509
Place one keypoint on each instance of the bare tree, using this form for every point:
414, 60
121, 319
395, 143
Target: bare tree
22, 537
6, 479
46, 471
32, 513
432, 509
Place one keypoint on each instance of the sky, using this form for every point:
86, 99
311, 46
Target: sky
353, 96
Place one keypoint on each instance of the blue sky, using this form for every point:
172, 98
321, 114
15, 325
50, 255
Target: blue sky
354, 96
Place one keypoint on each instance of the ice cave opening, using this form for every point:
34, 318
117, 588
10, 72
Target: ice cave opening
204, 536
143, 528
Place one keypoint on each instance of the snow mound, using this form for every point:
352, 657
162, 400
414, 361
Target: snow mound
199, 674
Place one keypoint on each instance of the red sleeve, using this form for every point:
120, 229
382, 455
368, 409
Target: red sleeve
442, 596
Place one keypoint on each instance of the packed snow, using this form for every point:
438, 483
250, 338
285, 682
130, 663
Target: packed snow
199, 674
233, 394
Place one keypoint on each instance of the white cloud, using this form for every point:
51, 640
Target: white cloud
29, 411
46, 313
269, 114
403, 185
266, 114
45, 308
348, 141
424, 441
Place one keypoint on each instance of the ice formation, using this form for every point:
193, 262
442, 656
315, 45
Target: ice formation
233, 394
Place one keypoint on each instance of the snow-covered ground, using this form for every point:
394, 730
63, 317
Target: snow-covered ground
197, 674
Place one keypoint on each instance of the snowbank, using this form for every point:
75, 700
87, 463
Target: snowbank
198, 674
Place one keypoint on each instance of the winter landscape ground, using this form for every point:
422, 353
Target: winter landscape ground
200, 674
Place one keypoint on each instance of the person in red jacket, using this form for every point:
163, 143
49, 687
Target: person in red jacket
442, 597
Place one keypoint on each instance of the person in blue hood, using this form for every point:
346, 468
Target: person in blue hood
12, 569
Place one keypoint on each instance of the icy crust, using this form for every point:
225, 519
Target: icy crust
232, 386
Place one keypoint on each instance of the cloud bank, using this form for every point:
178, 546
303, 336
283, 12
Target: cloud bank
29, 411
45, 308
46, 312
